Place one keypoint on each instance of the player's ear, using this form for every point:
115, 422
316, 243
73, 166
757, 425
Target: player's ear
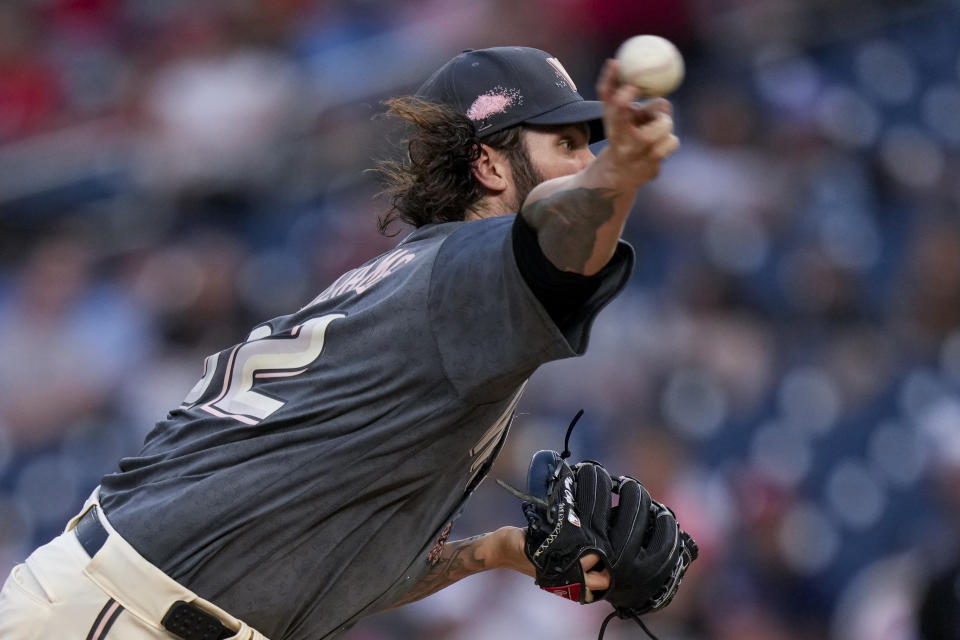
492, 169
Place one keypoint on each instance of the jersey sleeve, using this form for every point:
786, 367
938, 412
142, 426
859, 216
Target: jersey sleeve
489, 327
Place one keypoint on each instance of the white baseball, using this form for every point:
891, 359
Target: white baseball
650, 63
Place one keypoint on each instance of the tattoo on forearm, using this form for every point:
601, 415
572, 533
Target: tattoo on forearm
567, 224
458, 560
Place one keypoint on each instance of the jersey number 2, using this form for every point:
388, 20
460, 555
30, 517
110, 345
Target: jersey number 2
262, 356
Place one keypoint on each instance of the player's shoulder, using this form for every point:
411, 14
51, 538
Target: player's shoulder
477, 237
418, 253
444, 230
414, 255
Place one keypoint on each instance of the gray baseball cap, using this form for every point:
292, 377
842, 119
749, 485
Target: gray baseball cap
501, 87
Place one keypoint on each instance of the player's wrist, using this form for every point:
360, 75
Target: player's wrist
621, 175
510, 553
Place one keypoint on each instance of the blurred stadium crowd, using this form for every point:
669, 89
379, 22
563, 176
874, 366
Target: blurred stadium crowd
784, 368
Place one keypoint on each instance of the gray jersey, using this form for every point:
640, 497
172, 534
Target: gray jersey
308, 474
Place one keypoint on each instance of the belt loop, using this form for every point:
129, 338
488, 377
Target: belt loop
90, 532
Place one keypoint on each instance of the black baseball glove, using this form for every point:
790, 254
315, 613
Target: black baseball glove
569, 513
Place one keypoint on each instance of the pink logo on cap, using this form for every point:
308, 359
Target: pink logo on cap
495, 101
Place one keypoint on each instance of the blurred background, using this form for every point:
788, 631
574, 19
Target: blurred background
784, 368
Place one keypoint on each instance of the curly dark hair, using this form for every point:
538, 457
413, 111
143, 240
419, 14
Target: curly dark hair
435, 183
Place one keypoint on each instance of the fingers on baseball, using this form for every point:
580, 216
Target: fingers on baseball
649, 111
666, 147
623, 108
661, 105
609, 80
660, 127
654, 140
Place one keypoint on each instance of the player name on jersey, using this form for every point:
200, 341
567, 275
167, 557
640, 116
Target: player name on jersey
362, 278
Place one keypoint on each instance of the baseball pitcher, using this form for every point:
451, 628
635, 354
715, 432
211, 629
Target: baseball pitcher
311, 475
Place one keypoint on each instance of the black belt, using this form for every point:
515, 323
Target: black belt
182, 619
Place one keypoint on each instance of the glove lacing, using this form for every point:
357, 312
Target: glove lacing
633, 616
566, 438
